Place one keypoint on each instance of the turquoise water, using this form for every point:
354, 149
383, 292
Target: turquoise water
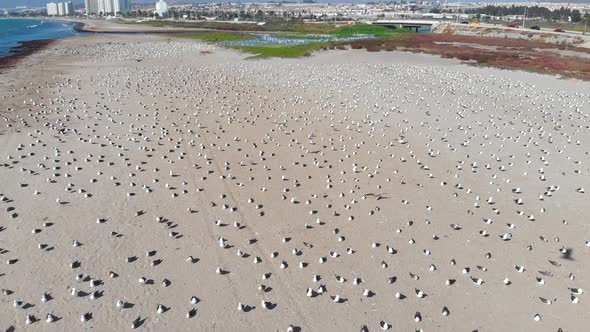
14, 31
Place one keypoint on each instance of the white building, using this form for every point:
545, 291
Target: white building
161, 8
121, 6
61, 9
52, 9
91, 6
69, 8
106, 7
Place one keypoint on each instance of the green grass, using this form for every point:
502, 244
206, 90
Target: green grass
378, 31
215, 37
295, 30
317, 28
270, 51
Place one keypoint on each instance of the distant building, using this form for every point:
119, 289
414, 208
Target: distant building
52, 9
121, 6
69, 7
106, 7
60, 8
91, 6
161, 8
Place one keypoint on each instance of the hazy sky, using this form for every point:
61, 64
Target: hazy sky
38, 3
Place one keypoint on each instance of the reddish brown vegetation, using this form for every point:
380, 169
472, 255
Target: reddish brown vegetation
495, 52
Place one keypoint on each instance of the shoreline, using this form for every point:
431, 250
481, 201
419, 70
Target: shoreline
26, 48
23, 50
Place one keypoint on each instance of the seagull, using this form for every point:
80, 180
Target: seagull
477, 281
191, 313
135, 324
337, 299
417, 317
546, 301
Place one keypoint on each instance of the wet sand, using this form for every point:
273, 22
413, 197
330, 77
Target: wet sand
23, 50
165, 184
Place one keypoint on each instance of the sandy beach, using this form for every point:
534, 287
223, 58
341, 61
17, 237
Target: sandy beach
171, 185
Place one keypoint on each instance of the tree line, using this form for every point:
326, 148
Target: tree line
561, 14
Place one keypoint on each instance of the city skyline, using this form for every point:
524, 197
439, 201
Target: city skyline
42, 3
106, 6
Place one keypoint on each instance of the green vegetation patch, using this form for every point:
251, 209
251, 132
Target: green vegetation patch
269, 51
378, 31
297, 31
314, 28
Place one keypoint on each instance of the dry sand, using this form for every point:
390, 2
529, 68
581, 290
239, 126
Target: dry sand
424, 194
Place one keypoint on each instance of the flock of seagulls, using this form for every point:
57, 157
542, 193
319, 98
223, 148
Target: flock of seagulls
152, 48
272, 195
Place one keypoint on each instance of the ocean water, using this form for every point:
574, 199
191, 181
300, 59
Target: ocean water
14, 31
